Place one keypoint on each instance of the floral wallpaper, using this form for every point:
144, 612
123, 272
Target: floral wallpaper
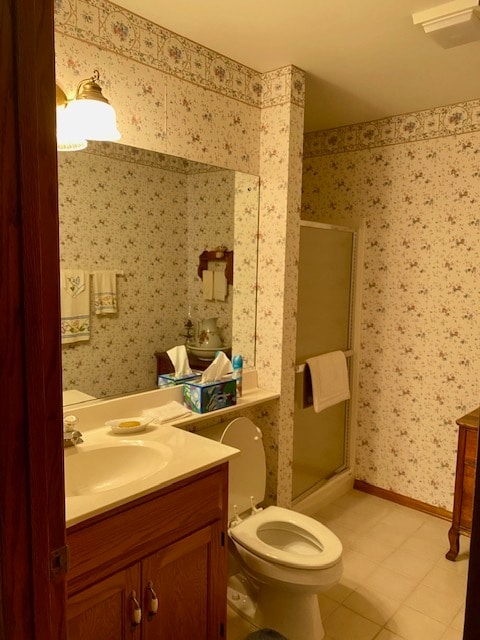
413, 190
279, 228
134, 211
245, 262
174, 96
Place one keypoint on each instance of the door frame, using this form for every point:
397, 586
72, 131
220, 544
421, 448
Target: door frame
32, 503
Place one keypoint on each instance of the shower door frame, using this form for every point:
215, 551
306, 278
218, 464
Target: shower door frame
345, 472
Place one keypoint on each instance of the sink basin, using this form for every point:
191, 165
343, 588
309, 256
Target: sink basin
93, 470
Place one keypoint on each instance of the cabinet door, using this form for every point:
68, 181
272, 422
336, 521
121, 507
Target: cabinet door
106, 609
189, 581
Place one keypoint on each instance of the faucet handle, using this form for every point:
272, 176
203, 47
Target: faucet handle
69, 423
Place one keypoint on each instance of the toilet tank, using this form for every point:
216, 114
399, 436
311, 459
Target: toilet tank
247, 471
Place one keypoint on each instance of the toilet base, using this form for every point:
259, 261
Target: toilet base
240, 597
295, 615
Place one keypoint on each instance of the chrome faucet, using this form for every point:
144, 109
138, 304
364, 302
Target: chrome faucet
71, 436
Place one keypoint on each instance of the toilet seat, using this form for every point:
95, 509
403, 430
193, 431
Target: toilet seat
288, 538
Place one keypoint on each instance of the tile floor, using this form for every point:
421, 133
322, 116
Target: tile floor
396, 584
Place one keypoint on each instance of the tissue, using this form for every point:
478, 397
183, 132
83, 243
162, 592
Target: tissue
220, 367
178, 356
212, 391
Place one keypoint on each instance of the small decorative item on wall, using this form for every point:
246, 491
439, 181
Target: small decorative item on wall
220, 253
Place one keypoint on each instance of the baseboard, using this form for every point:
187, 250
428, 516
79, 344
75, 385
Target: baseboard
403, 500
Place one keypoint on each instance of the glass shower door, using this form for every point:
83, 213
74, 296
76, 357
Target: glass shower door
324, 324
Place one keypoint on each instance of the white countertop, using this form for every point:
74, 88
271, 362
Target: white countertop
190, 454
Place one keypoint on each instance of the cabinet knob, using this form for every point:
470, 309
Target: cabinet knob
136, 610
152, 600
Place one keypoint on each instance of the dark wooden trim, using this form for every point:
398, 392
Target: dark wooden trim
472, 611
405, 501
31, 480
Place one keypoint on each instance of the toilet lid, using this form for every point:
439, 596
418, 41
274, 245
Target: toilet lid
247, 471
288, 538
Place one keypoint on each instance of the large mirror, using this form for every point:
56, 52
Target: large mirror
148, 217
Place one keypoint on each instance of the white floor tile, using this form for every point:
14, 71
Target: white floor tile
357, 567
435, 604
405, 520
340, 591
376, 552
385, 634
452, 634
414, 625
434, 548
458, 567
445, 580
327, 605
390, 583
386, 533
343, 624
372, 605
435, 529
459, 620
409, 564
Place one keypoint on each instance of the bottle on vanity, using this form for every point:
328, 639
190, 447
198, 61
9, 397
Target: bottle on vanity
237, 364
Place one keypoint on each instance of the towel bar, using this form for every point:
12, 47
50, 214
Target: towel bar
118, 273
299, 368
303, 385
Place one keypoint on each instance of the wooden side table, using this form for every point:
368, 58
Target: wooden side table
464, 480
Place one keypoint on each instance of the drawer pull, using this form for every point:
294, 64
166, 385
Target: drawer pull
136, 610
152, 600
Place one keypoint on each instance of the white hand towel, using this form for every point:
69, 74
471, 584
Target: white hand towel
167, 412
105, 292
329, 375
207, 277
74, 305
219, 285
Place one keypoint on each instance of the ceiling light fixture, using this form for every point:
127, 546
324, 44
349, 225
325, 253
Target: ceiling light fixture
451, 24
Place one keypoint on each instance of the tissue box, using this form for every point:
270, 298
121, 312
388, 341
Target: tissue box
209, 396
169, 379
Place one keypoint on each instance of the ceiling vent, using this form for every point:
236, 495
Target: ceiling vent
451, 24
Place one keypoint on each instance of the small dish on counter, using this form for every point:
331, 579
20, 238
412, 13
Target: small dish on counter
129, 425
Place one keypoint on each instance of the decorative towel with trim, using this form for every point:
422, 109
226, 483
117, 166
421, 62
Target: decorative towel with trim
219, 285
74, 305
104, 292
207, 278
329, 375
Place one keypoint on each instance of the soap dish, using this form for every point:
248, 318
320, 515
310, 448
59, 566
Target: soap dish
128, 425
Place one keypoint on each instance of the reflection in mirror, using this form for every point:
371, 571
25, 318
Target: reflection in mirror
149, 216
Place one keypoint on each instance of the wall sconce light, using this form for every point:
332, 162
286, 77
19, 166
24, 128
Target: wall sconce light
68, 136
95, 116
88, 116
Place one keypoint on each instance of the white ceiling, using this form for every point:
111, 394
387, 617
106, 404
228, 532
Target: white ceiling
364, 59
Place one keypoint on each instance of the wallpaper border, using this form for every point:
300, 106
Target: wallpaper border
115, 29
148, 158
449, 120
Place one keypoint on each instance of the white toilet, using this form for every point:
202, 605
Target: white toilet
285, 558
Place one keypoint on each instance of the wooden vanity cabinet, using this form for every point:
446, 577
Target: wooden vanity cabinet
164, 554
464, 480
